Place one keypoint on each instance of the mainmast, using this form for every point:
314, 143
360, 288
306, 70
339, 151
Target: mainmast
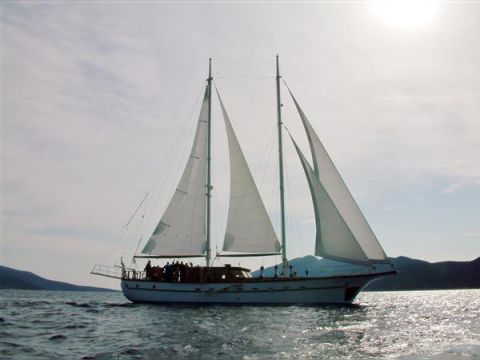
209, 158
282, 189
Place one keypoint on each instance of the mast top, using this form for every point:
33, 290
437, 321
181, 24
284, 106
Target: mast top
278, 69
209, 69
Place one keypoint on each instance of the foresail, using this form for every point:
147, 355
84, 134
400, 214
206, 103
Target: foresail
334, 239
340, 196
181, 230
249, 228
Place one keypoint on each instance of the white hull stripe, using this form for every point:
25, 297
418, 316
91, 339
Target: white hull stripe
219, 291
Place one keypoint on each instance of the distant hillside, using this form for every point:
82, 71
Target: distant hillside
16, 279
412, 274
418, 275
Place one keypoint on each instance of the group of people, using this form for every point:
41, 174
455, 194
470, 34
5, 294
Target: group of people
187, 272
293, 273
174, 272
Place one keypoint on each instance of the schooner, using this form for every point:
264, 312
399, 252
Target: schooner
342, 232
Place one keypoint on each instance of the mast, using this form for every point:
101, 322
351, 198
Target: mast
280, 151
209, 158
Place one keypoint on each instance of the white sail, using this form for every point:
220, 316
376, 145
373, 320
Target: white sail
249, 228
181, 230
334, 239
334, 187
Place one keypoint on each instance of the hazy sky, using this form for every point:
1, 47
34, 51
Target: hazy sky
101, 98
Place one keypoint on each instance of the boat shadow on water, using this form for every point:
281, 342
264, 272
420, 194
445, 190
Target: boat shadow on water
177, 305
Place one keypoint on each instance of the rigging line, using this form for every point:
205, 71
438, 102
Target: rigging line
121, 235
275, 196
175, 144
192, 216
129, 240
245, 77
178, 149
242, 196
129, 236
167, 159
109, 248
288, 88
292, 203
216, 225
129, 249
152, 191
142, 232
217, 199
183, 151
156, 183
150, 212
266, 156
252, 184
124, 227
138, 207
295, 208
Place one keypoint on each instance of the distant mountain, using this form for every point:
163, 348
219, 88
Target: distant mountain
412, 274
419, 275
17, 279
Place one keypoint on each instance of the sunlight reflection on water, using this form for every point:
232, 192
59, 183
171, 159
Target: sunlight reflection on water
406, 325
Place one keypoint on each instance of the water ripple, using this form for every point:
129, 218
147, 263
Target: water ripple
395, 325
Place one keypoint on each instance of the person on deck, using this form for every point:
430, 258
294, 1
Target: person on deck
148, 269
124, 271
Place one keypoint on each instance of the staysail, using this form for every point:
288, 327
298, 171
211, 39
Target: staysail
334, 238
340, 222
181, 230
249, 229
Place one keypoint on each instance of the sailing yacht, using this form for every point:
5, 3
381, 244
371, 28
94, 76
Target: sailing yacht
342, 232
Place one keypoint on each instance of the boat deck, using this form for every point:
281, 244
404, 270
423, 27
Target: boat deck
224, 274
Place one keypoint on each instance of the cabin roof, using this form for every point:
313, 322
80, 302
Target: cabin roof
229, 268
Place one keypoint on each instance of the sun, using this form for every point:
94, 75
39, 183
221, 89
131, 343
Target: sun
405, 14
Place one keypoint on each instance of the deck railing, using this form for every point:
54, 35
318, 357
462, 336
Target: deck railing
117, 272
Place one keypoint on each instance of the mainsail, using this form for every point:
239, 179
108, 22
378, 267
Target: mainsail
340, 222
181, 230
249, 228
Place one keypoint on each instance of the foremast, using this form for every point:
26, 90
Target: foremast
208, 253
282, 188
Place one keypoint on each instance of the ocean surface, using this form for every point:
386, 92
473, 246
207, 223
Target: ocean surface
383, 325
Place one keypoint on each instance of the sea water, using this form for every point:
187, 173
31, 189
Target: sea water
98, 325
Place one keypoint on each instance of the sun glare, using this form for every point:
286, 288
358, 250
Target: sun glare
405, 13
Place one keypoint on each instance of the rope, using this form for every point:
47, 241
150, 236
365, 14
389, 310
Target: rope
291, 201
119, 241
244, 77
177, 150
